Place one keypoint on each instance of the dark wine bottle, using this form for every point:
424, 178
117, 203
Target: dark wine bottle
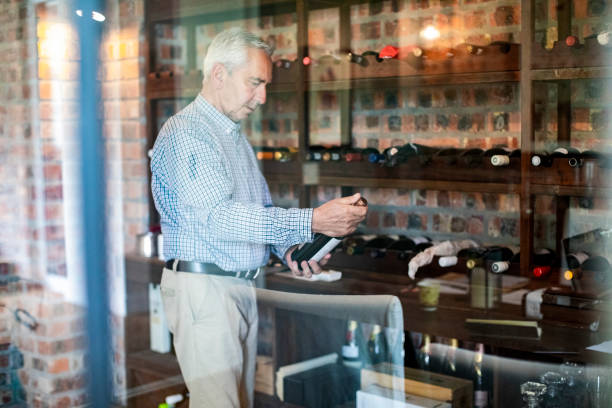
597, 268
404, 248
498, 258
545, 159
503, 159
425, 355
377, 346
449, 366
399, 154
481, 392
447, 156
283, 63
285, 154
377, 247
424, 153
353, 348
543, 261
376, 54
502, 46
603, 160
331, 154
264, 152
315, 153
372, 155
471, 157
321, 245
576, 259
572, 41
357, 59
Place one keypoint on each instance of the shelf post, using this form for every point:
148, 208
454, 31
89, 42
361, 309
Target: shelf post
527, 137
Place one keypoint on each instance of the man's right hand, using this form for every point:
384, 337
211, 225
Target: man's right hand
338, 217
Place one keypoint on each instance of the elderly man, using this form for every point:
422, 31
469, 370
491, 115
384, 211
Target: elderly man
219, 224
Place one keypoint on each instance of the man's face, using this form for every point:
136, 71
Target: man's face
245, 88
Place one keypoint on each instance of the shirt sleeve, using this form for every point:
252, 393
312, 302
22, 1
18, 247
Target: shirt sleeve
200, 177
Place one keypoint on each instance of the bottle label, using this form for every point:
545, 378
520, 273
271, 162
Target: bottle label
481, 398
543, 251
536, 161
350, 351
331, 244
561, 150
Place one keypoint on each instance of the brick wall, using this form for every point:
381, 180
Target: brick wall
39, 192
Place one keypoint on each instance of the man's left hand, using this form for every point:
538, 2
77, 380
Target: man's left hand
306, 269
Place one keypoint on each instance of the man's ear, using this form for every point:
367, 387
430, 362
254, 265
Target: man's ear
218, 75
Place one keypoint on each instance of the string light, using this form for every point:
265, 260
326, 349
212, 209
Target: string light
430, 33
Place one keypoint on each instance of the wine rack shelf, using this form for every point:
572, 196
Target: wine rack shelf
589, 54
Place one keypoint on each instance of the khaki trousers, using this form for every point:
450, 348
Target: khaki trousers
214, 323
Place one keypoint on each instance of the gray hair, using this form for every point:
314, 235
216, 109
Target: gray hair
229, 48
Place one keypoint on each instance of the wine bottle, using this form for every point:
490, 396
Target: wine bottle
377, 247
425, 357
315, 153
543, 261
499, 258
357, 59
321, 245
399, 154
404, 248
603, 38
447, 156
503, 159
576, 259
351, 154
603, 160
449, 366
471, 157
264, 152
474, 49
331, 154
425, 153
378, 58
283, 63
502, 46
545, 159
353, 346
572, 41
377, 346
372, 155
481, 393
597, 268
285, 154
447, 261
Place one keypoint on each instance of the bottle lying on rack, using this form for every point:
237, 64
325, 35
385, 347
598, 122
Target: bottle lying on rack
378, 246
589, 237
283, 63
264, 152
404, 248
597, 268
572, 41
604, 37
332, 154
425, 153
351, 154
285, 154
543, 260
396, 155
447, 156
545, 159
603, 160
502, 46
321, 245
497, 257
472, 157
315, 153
503, 159
355, 245
372, 155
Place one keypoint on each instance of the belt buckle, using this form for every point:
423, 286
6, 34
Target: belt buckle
249, 274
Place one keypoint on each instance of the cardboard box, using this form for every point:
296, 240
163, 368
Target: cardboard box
375, 396
457, 391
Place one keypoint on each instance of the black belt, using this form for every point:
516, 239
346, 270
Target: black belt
210, 269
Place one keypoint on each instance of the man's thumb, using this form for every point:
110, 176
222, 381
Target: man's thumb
350, 200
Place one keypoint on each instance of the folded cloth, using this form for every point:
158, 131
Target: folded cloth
445, 248
325, 276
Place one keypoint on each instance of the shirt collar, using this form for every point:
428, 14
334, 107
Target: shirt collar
225, 124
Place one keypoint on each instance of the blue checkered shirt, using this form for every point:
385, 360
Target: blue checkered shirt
213, 201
